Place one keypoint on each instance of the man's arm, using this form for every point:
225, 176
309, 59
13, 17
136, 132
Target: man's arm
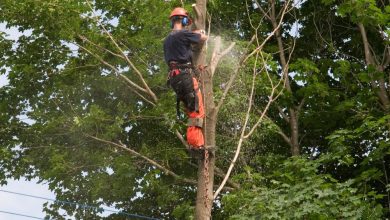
203, 36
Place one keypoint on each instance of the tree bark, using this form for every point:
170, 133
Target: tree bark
204, 197
370, 60
293, 113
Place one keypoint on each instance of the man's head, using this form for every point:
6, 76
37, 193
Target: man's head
179, 15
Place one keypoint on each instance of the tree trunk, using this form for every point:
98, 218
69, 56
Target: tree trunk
370, 60
293, 113
204, 197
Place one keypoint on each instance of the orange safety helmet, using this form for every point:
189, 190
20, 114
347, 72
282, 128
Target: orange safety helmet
182, 13
179, 12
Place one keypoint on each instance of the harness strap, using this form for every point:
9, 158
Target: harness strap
176, 65
175, 69
196, 99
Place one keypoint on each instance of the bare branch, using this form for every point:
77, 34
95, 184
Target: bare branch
231, 80
135, 91
219, 172
370, 60
150, 161
227, 50
265, 15
238, 149
285, 137
299, 108
84, 38
262, 10
268, 37
284, 116
367, 51
100, 59
386, 57
217, 55
131, 83
271, 97
213, 62
180, 136
262, 115
280, 132
145, 85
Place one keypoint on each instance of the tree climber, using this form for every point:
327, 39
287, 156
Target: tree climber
178, 55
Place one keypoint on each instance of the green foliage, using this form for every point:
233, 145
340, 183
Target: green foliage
296, 190
184, 211
59, 96
365, 11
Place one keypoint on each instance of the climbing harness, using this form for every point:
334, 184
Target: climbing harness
181, 79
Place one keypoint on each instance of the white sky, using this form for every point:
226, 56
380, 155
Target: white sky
22, 204
3, 80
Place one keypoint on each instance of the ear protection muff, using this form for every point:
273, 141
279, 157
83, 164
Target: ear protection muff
185, 21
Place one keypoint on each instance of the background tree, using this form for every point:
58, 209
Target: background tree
87, 110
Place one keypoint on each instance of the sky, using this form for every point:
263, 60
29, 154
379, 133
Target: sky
21, 204
14, 203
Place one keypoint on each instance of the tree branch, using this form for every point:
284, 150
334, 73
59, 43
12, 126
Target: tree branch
231, 80
268, 37
367, 51
135, 91
238, 149
370, 60
150, 161
284, 116
219, 172
386, 57
184, 142
145, 85
262, 10
114, 69
243, 136
217, 55
84, 38
299, 108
